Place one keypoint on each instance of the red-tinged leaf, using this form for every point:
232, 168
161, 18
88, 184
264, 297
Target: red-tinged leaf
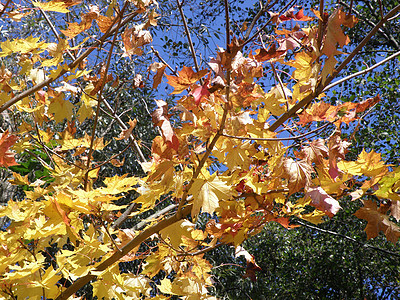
285, 222
263, 55
377, 221
186, 77
6, 156
322, 201
199, 92
319, 111
299, 16
315, 152
62, 213
251, 265
160, 118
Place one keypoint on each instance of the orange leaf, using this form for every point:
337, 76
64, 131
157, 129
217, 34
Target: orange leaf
263, 55
377, 221
335, 33
6, 156
186, 77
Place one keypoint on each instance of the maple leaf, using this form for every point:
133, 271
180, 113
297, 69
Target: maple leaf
367, 164
56, 6
86, 22
135, 38
322, 201
298, 173
124, 135
251, 265
104, 23
335, 33
62, 109
159, 68
315, 152
160, 118
200, 92
299, 16
263, 55
186, 77
6, 156
207, 193
377, 221
176, 231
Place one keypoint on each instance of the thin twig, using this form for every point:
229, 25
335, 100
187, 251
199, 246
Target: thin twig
109, 159
277, 139
362, 71
4, 7
380, 8
266, 24
39, 159
262, 11
53, 29
163, 61
202, 251
196, 65
89, 157
227, 25
109, 235
346, 237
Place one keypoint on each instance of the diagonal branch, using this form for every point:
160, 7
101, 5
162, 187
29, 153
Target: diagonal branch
136, 241
72, 65
321, 86
189, 38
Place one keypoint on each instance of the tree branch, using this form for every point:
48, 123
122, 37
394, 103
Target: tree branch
136, 241
71, 66
321, 86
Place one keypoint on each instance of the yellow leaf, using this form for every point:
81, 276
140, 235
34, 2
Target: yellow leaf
207, 193
28, 45
62, 109
175, 232
367, 164
166, 286
56, 6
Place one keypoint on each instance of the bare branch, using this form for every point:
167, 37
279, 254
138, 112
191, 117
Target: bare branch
196, 65
362, 71
347, 238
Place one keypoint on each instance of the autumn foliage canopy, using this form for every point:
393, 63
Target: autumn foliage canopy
236, 149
